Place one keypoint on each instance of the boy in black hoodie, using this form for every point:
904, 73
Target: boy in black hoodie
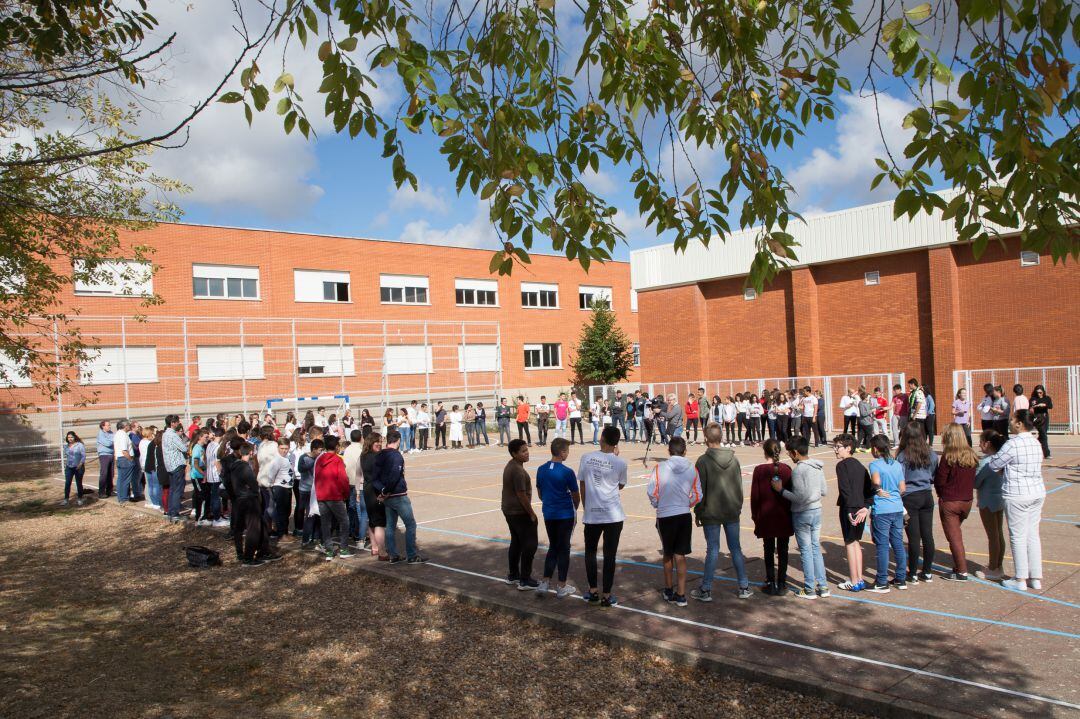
252, 541
855, 498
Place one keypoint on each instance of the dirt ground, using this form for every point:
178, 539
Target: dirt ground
100, 616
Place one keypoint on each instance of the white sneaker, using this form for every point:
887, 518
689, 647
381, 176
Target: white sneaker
990, 576
1035, 584
154, 506
1019, 585
568, 591
220, 523
542, 588
202, 523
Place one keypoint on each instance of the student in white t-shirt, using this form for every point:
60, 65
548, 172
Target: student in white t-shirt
602, 476
809, 411
574, 407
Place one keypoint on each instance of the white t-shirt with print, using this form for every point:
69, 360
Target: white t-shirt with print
603, 474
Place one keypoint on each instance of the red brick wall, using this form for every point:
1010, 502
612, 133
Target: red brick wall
934, 309
277, 254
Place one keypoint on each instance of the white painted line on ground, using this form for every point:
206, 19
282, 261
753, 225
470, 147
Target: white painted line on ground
460, 516
804, 647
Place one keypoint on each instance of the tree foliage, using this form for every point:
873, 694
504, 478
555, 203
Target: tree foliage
604, 354
521, 112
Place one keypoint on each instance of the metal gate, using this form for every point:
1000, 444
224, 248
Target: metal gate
1062, 385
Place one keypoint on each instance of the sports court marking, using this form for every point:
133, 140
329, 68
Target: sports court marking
861, 600
804, 647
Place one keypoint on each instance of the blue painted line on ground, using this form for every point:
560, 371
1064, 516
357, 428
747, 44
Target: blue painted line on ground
1058, 489
948, 615
1074, 522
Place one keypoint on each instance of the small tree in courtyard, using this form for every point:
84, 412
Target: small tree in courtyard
604, 354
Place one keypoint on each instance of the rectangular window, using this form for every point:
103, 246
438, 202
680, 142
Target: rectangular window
114, 278
224, 362
587, 295
543, 356
749, 294
117, 365
1029, 259
633, 300
637, 355
325, 360
321, 286
225, 282
872, 278
408, 359
12, 374
477, 293
540, 295
478, 358
403, 290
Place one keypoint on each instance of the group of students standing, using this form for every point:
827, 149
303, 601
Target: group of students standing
895, 496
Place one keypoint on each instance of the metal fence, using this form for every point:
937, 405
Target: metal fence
201, 366
832, 388
1062, 385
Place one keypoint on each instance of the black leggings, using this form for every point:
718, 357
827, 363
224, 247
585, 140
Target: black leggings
740, 422
611, 532
523, 432
559, 532
920, 530
776, 552
866, 432
692, 424
851, 424
755, 429
542, 430
729, 432
424, 431
251, 538
523, 543
783, 426
576, 422
440, 436
200, 498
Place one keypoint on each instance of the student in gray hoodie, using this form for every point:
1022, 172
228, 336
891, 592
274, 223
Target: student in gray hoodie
807, 489
719, 509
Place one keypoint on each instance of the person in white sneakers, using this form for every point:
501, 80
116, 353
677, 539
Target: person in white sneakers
674, 489
1024, 491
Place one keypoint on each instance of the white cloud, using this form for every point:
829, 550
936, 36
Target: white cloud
406, 198
681, 163
477, 232
840, 176
602, 183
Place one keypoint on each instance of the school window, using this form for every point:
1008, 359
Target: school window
539, 295
587, 295
228, 362
403, 290
325, 360
13, 373
321, 286
477, 293
633, 300
225, 283
113, 278
637, 355
543, 356
478, 358
119, 365
1029, 259
749, 294
872, 278
408, 359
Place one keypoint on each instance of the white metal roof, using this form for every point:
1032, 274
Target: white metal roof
829, 237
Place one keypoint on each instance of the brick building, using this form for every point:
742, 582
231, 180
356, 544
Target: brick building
249, 315
868, 294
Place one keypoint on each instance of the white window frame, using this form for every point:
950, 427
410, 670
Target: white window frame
11, 376
305, 281
119, 365
391, 363
226, 273
872, 278
749, 294
249, 359
637, 354
404, 283
479, 358
333, 360
112, 281
474, 286
633, 300
1029, 258
536, 288
539, 347
594, 293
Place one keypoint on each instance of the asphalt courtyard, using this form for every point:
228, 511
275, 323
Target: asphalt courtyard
974, 649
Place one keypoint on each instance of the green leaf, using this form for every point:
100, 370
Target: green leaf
231, 97
348, 44
919, 12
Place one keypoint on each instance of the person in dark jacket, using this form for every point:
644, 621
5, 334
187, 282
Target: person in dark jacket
772, 517
312, 536
388, 481
855, 494
376, 511
954, 480
251, 539
721, 503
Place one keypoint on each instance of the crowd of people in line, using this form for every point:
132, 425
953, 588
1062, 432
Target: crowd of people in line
338, 483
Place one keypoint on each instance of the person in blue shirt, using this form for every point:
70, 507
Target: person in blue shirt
105, 456
887, 476
74, 467
557, 486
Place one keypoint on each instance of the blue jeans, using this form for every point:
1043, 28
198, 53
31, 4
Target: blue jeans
504, 431
677, 432
74, 473
595, 431
357, 511
153, 488
481, 431
125, 475
619, 422
888, 531
808, 534
400, 507
212, 508
406, 438
177, 481
560, 428
712, 551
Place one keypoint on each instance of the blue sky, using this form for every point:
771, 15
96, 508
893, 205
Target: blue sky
258, 177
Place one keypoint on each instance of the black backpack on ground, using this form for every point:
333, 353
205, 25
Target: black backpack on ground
202, 557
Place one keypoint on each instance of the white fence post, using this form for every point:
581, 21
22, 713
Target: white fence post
123, 365
187, 380
59, 394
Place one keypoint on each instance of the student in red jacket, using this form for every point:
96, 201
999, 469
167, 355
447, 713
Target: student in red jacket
693, 416
954, 481
772, 517
332, 491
